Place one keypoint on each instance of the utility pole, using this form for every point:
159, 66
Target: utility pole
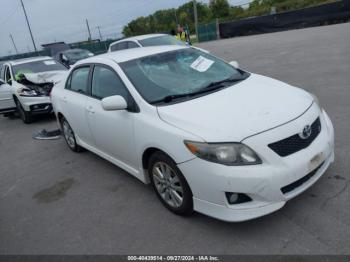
177, 21
88, 27
99, 31
14, 45
195, 18
30, 30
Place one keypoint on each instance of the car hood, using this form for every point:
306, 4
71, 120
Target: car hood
45, 77
252, 106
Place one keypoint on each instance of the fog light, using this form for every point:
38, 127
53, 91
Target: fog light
237, 198
233, 198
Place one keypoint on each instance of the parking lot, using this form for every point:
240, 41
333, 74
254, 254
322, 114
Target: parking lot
54, 201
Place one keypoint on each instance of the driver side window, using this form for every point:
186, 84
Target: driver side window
107, 83
2, 73
8, 78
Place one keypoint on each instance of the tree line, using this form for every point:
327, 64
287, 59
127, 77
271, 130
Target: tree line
168, 19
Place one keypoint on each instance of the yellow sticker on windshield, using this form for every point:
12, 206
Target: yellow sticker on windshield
202, 64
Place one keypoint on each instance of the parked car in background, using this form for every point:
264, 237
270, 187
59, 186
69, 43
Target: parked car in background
29, 83
7, 104
147, 41
71, 56
207, 135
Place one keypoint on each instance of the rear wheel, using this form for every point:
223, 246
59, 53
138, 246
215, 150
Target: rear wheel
26, 117
69, 136
170, 185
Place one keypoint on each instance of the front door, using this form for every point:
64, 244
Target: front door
6, 101
113, 131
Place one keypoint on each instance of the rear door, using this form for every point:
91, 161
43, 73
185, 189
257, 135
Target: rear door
73, 103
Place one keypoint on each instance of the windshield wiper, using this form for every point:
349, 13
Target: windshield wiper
219, 84
168, 99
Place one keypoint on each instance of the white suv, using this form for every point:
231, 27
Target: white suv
147, 41
28, 83
208, 136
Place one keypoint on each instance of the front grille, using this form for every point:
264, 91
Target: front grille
295, 143
301, 181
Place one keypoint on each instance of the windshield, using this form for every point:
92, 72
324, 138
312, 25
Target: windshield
77, 54
178, 73
37, 67
161, 40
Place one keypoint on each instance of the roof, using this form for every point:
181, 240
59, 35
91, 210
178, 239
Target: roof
130, 54
142, 37
28, 60
138, 38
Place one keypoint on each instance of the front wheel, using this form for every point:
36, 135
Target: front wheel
170, 185
24, 115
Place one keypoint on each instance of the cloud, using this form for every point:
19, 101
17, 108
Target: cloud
64, 20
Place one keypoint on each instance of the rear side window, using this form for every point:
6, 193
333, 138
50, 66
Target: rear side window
119, 46
161, 40
106, 82
78, 80
132, 45
8, 77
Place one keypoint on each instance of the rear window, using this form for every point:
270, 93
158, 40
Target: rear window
119, 46
161, 40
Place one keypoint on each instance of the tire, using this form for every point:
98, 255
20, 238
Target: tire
169, 184
69, 136
26, 117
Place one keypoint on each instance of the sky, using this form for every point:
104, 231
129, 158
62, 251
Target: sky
64, 20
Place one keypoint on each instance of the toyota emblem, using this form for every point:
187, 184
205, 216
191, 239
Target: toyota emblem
306, 133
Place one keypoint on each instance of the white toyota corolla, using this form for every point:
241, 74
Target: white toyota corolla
207, 135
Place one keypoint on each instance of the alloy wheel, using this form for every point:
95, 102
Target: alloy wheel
168, 184
68, 134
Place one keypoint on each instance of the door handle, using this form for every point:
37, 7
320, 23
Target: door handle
64, 99
90, 109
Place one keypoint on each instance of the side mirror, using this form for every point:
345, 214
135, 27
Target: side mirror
65, 60
234, 64
114, 103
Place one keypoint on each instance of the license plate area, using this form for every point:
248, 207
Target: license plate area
316, 161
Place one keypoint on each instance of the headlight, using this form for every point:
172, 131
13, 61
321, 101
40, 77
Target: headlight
27, 92
230, 154
317, 102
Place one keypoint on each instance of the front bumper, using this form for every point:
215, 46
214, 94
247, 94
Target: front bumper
262, 183
36, 105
